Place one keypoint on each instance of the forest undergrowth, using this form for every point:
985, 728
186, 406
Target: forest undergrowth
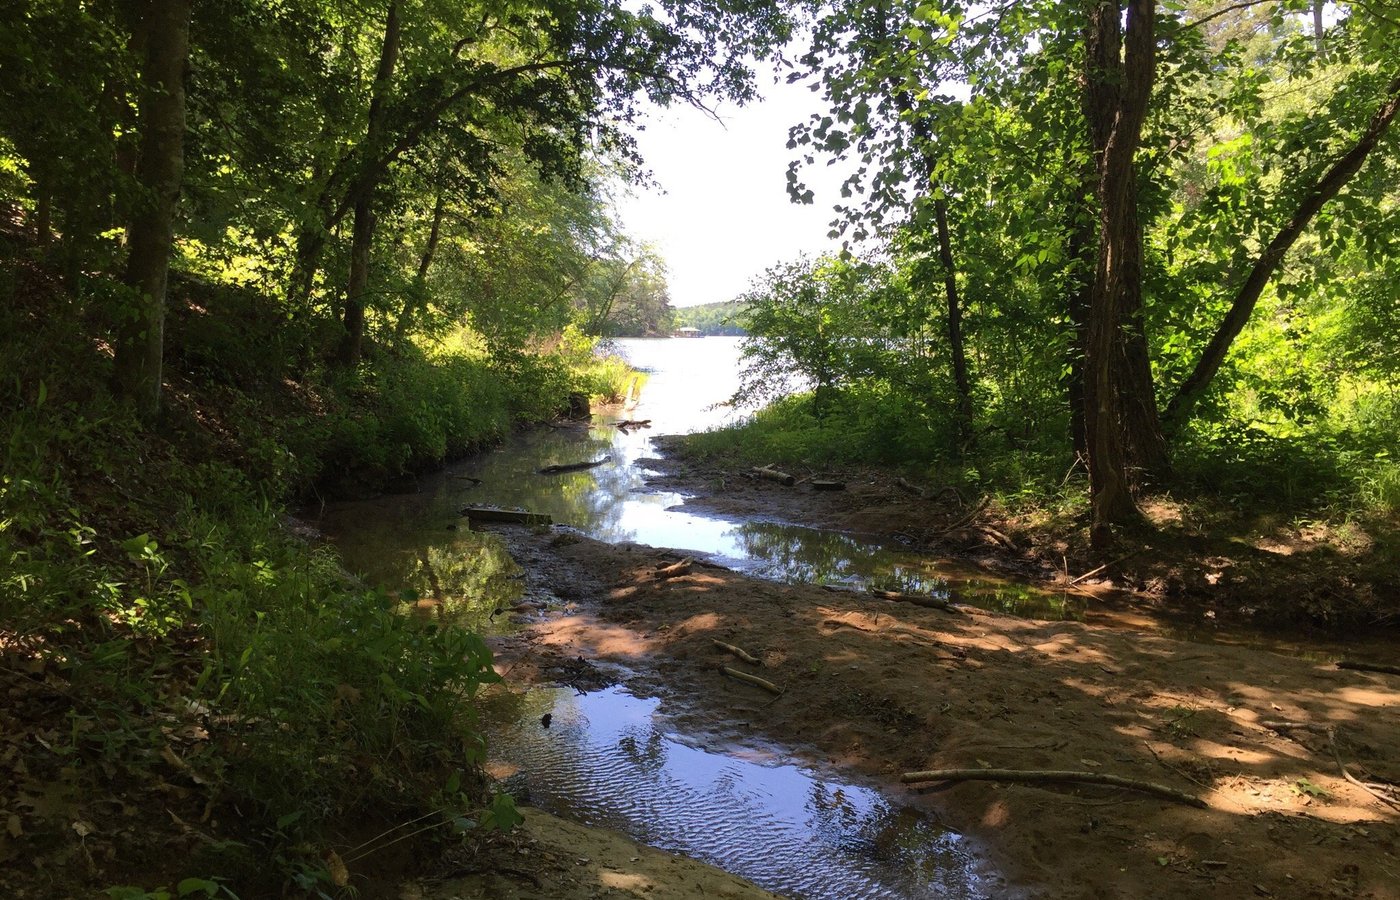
196, 700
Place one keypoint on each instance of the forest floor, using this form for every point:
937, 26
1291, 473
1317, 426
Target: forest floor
882, 688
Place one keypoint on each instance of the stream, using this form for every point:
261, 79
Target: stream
613, 759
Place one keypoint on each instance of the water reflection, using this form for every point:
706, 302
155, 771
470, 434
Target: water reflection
606, 760
794, 554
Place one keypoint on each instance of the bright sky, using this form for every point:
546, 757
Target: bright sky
724, 215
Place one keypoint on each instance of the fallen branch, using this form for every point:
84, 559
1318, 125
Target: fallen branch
912, 488
919, 600
998, 537
740, 652
824, 485
1092, 572
509, 516
573, 467
967, 519
675, 570
632, 423
768, 473
1332, 742
751, 679
1039, 776
1358, 666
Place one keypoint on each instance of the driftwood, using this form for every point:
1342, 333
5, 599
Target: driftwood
675, 570
824, 485
740, 652
919, 600
509, 516
626, 424
1358, 666
751, 679
1039, 776
768, 473
574, 467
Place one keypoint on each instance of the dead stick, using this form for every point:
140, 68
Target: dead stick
751, 679
912, 488
1356, 666
1332, 742
1092, 572
740, 652
1038, 776
981, 505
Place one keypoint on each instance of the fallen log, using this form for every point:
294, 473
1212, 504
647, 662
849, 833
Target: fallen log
824, 485
574, 467
751, 679
740, 652
1041, 776
768, 473
675, 570
507, 516
919, 600
1358, 666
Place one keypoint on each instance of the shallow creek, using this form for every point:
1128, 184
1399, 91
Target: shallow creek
610, 758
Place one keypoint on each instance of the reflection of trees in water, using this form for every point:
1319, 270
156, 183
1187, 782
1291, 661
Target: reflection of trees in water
590, 500
803, 555
469, 575
1019, 600
645, 748
904, 838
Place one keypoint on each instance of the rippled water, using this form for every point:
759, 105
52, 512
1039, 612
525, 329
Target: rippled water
607, 760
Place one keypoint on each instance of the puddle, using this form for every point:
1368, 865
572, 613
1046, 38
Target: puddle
607, 760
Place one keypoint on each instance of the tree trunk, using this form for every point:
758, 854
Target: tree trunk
1332, 181
1318, 29
1118, 85
420, 278
955, 339
362, 235
159, 171
1081, 252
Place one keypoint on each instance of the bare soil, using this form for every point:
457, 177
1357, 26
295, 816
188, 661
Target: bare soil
887, 687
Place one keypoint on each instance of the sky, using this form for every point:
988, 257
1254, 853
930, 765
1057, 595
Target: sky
720, 213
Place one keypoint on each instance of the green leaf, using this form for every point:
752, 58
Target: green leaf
192, 885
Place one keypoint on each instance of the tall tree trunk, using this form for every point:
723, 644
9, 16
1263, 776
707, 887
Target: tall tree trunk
416, 297
1332, 181
1318, 29
1118, 85
362, 236
1081, 249
955, 338
159, 171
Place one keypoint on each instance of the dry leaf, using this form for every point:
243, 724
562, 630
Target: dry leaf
340, 876
82, 828
13, 826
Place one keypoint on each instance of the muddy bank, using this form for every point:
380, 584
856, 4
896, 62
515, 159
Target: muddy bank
548, 858
885, 687
1256, 573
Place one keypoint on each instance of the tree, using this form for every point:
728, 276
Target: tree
159, 172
